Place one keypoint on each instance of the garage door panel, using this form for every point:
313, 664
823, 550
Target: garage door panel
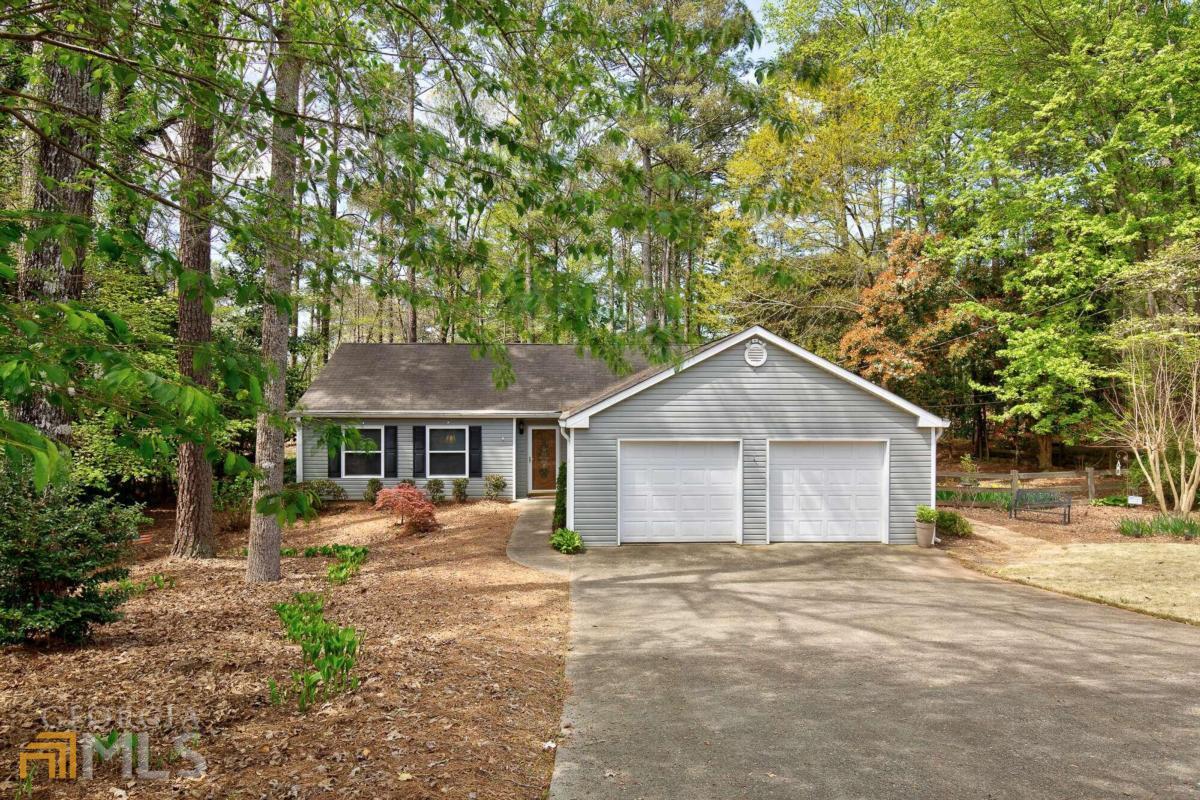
691, 493
826, 491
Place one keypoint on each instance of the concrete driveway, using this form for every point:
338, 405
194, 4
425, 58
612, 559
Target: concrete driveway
863, 671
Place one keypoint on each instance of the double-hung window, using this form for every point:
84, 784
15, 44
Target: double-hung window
447, 452
366, 459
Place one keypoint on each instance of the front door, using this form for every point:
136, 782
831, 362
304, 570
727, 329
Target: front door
544, 457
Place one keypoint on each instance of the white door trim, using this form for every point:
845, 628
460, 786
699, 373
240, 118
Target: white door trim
674, 440
529, 429
887, 475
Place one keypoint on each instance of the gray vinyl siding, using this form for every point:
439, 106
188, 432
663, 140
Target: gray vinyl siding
723, 397
523, 453
497, 454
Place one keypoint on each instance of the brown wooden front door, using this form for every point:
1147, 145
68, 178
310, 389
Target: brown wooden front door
545, 458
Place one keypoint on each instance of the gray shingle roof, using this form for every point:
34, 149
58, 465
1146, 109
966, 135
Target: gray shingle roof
385, 379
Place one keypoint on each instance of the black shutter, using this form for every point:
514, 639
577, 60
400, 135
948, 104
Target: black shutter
389, 451
335, 461
475, 446
418, 451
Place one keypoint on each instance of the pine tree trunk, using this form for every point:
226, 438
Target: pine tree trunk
412, 194
194, 537
647, 250
61, 185
332, 179
262, 563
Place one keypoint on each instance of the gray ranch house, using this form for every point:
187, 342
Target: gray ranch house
749, 439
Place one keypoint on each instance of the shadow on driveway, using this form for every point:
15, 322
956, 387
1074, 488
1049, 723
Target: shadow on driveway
863, 671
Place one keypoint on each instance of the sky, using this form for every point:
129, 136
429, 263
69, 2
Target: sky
768, 48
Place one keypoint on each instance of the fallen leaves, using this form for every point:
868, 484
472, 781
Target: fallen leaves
462, 669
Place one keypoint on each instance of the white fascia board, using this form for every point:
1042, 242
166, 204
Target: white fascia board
925, 419
420, 414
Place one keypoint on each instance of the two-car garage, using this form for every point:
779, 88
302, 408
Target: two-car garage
691, 491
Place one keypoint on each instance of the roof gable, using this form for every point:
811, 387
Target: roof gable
579, 415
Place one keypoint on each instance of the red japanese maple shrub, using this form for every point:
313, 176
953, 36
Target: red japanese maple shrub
410, 504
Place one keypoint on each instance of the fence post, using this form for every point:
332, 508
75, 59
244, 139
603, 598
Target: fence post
1091, 478
1015, 480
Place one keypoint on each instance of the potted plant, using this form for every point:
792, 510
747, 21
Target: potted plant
926, 526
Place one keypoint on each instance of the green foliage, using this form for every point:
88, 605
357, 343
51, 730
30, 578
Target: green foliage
373, 487
459, 489
1161, 525
560, 498
323, 489
951, 524
349, 560
1112, 500
329, 652
982, 498
133, 588
58, 550
926, 514
436, 489
566, 541
494, 486
231, 502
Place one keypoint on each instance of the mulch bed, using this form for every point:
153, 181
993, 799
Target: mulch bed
1088, 524
462, 670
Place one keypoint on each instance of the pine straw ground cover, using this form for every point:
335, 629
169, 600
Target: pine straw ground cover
462, 671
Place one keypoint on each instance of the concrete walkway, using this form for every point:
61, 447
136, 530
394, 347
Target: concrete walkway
529, 544
858, 671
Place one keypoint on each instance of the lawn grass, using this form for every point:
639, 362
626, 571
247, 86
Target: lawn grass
1156, 578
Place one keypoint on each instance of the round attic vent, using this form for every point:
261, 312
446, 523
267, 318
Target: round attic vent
756, 353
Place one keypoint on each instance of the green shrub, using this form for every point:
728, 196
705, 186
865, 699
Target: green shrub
566, 541
329, 652
1161, 525
436, 489
458, 489
231, 502
373, 487
952, 524
58, 550
324, 489
926, 514
967, 465
494, 486
560, 498
408, 482
1113, 500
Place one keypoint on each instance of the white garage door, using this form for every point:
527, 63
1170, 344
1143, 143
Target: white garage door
827, 492
679, 492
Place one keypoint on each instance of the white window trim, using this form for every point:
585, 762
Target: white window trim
466, 451
741, 518
382, 451
886, 535
529, 429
